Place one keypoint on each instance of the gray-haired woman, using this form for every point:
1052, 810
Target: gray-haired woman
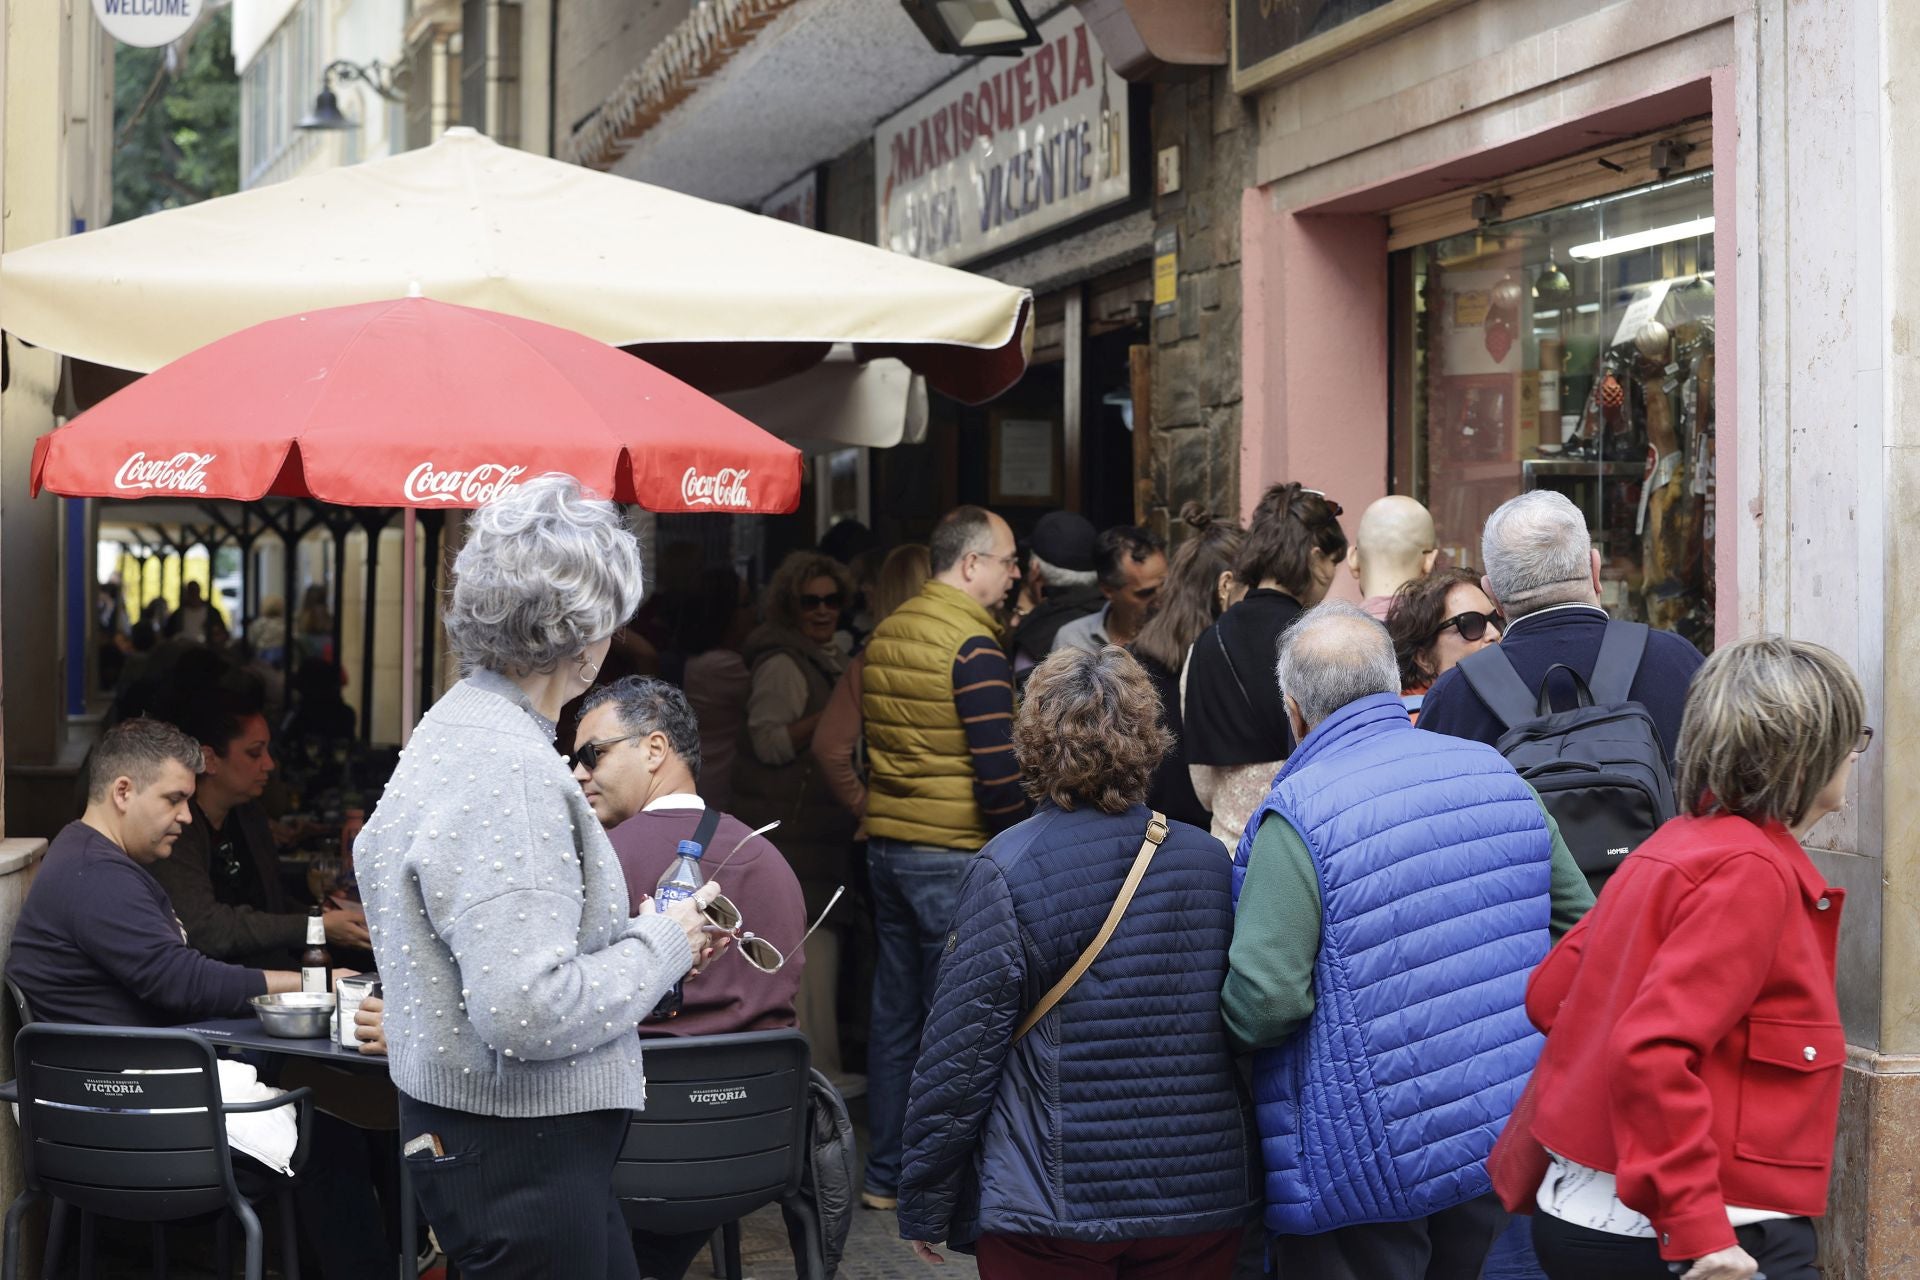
513, 975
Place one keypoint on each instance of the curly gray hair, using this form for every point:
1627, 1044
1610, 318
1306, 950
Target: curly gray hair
545, 572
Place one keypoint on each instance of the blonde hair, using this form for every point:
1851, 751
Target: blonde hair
1768, 723
902, 574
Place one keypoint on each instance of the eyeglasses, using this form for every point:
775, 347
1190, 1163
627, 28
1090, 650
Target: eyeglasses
588, 755
723, 917
832, 600
1866, 740
1011, 561
1471, 625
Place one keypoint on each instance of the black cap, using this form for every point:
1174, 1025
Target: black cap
1065, 540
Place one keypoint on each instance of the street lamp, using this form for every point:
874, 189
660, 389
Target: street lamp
326, 114
986, 28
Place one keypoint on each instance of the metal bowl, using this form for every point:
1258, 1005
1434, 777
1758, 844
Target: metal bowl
296, 1015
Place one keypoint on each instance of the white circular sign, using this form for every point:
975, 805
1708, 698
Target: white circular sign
147, 23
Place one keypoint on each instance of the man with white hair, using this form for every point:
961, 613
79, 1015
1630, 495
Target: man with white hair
1543, 574
1391, 896
1395, 545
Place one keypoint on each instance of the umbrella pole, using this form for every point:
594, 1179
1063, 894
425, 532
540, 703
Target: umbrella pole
409, 620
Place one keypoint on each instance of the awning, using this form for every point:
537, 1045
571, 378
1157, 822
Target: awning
840, 403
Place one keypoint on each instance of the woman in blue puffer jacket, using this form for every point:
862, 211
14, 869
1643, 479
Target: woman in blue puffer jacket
1111, 1139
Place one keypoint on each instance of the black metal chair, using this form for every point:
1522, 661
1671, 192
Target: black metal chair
127, 1123
725, 1132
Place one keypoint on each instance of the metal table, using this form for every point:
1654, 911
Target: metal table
246, 1034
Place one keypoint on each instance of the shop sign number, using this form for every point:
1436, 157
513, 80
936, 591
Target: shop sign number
147, 24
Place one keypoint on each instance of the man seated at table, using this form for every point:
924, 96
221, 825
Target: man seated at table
636, 753
223, 878
637, 756
98, 943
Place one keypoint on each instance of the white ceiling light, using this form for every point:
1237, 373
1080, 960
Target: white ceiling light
1641, 240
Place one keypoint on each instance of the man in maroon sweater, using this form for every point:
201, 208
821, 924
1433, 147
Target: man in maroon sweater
636, 752
637, 756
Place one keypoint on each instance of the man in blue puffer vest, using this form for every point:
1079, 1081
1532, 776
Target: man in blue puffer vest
1392, 893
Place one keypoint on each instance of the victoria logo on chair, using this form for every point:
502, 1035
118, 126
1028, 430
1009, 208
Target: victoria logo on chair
726, 487
116, 1087
473, 487
717, 1097
182, 473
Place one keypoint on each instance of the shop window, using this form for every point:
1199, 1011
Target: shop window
1572, 350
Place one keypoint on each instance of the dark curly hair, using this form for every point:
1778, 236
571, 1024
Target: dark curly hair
794, 573
1089, 730
1290, 523
1414, 618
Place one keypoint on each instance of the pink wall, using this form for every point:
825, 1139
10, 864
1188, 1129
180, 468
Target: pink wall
1315, 372
1315, 324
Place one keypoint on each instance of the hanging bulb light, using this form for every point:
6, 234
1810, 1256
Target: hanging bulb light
1552, 287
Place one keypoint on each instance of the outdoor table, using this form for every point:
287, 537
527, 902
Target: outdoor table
246, 1034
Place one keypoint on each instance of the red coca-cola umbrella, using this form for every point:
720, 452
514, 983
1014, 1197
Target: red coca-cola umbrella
415, 403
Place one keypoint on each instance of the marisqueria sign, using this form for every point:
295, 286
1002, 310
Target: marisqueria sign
1006, 150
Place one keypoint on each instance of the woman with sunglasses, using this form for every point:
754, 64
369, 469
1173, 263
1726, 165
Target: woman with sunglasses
513, 972
1435, 621
1684, 1107
795, 664
1108, 1139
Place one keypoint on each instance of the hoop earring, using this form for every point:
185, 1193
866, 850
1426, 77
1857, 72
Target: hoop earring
587, 671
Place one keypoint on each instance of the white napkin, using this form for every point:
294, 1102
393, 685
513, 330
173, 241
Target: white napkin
267, 1136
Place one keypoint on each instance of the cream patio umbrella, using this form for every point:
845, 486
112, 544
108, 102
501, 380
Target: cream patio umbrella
719, 297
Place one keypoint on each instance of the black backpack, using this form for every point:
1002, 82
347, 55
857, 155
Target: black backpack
1600, 768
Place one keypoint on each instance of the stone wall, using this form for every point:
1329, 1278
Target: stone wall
1196, 397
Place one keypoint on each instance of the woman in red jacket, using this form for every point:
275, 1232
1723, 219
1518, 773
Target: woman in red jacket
1690, 1085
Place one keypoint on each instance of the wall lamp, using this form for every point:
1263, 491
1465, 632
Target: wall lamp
326, 114
982, 28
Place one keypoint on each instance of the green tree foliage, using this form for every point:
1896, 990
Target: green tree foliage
176, 126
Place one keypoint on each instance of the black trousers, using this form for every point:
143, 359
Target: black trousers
667, 1257
1449, 1245
1784, 1248
519, 1198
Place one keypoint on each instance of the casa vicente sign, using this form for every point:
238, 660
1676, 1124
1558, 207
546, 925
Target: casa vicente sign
147, 24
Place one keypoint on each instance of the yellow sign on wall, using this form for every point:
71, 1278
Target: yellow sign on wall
1166, 272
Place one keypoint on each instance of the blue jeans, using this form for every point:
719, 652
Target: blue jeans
914, 889
1512, 1255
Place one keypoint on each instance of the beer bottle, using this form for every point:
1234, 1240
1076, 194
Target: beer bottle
316, 962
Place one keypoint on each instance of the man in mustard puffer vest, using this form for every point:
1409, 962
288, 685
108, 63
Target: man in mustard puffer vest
937, 699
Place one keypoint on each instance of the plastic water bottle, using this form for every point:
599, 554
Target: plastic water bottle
681, 881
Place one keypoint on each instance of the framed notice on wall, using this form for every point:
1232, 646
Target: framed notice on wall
1275, 40
1023, 460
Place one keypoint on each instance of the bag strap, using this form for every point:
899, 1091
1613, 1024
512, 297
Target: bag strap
1232, 670
1621, 649
709, 823
1156, 832
1491, 674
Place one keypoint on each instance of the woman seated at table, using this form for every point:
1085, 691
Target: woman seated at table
224, 878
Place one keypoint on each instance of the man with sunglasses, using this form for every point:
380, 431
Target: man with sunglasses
636, 754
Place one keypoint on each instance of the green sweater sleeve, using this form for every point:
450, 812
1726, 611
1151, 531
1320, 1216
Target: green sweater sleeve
1276, 938
1571, 894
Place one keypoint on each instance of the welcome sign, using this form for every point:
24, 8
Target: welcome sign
1006, 150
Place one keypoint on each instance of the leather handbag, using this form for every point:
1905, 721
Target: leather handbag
1156, 832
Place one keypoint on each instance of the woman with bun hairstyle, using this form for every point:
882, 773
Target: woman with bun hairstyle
1200, 586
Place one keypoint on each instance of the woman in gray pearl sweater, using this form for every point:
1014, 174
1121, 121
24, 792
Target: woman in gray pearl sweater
512, 971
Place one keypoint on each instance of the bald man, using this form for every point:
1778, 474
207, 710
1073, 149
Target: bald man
1395, 546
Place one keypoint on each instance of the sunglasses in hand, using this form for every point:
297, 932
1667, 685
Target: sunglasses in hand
724, 918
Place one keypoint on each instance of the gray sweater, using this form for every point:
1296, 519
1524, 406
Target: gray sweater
512, 973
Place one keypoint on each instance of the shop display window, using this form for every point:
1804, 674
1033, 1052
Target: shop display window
1571, 350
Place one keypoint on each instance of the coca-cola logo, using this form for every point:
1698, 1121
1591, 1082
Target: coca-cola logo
182, 473
473, 487
726, 487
